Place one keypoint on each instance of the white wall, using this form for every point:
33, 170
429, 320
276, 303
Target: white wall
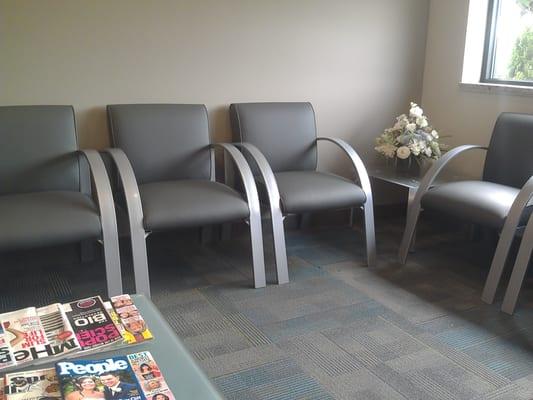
468, 116
359, 62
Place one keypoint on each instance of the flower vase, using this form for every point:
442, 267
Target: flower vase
408, 166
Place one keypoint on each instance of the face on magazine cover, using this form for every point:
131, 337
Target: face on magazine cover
153, 384
160, 396
128, 314
145, 368
135, 326
122, 302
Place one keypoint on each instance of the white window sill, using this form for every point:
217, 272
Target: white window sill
492, 88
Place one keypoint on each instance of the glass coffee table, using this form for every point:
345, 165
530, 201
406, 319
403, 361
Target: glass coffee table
389, 174
185, 379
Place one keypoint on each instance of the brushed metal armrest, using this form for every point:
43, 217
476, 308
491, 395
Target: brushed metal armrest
504, 243
135, 219
106, 206
519, 269
255, 210
357, 163
368, 208
275, 212
426, 182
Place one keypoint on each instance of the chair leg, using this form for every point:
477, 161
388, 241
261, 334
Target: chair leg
304, 221
140, 261
280, 251
225, 232
258, 258
519, 271
206, 235
409, 233
87, 251
498, 263
112, 262
370, 235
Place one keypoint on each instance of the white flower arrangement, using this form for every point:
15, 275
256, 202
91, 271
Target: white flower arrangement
411, 136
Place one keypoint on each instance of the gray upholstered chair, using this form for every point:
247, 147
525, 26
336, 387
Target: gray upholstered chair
499, 201
166, 166
280, 140
45, 186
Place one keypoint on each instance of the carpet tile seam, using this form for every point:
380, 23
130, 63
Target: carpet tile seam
461, 365
363, 366
264, 340
427, 384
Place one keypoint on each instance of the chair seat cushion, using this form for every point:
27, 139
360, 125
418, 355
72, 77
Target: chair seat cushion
185, 203
480, 202
303, 191
47, 218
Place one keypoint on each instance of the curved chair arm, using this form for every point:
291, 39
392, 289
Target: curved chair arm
519, 269
439, 165
368, 208
108, 220
135, 218
506, 238
266, 172
275, 212
357, 163
255, 210
414, 208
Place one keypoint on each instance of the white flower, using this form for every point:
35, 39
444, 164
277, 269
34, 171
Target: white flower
435, 134
410, 127
415, 111
428, 151
415, 148
387, 149
422, 122
403, 152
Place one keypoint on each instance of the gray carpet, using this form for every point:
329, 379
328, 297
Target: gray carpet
338, 330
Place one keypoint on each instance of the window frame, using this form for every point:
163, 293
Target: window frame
487, 66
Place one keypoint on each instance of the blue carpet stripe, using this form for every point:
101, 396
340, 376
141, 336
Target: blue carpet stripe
249, 330
427, 384
466, 362
278, 380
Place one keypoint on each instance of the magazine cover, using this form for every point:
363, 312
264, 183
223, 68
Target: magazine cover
149, 376
57, 328
6, 356
135, 329
32, 385
109, 379
24, 334
91, 323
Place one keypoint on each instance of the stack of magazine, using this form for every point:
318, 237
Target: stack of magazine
132, 377
37, 335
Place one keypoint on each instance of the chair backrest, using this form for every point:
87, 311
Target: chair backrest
284, 132
162, 141
509, 159
37, 149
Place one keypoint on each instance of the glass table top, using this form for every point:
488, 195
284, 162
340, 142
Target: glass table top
389, 173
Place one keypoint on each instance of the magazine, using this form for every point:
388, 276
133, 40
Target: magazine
6, 355
33, 334
109, 379
91, 323
149, 376
57, 327
37, 335
134, 327
25, 336
32, 385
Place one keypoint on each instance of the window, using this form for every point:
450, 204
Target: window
508, 51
